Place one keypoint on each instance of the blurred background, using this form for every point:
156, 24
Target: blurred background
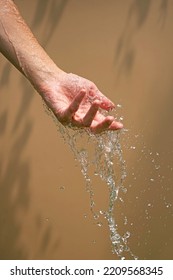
126, 48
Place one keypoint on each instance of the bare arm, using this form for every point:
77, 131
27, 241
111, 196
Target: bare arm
20, 46
73, 99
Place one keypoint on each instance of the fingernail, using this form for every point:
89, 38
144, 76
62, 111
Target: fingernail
119, 125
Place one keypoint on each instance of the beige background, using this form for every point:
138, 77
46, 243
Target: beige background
126, 48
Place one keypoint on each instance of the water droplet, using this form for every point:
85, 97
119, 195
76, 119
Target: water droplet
124, 190
99, 224
125, 220
88, 180
132, 147
167, 204
126, 235
115, 238
96, 216
157, 167
92, 204
108, 149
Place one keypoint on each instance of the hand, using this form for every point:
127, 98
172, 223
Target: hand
76, 101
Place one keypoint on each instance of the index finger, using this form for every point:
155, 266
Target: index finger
105, 102
74, 105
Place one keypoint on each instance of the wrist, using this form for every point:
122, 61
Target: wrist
44, 76
48, 81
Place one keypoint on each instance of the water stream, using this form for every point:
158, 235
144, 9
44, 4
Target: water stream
100, 155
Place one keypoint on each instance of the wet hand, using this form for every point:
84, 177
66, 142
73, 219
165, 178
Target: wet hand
76, 102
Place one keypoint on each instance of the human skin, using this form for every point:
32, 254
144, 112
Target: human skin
74, 100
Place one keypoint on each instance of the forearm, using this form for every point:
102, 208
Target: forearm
73, 100
20, 47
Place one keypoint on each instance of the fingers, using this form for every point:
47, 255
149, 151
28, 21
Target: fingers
107, 123
103, 125
88, 118
115, 125
78, 116
105, 103
74, 106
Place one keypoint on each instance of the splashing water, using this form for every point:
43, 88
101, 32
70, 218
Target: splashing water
98, 152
